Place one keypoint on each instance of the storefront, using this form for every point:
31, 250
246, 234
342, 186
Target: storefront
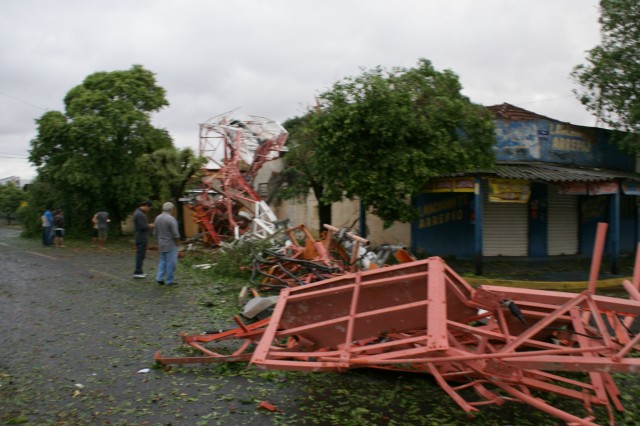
551, 185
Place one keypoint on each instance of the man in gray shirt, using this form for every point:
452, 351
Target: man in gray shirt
166, 232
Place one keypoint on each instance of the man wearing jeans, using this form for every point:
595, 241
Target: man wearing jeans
141, 227
165, 229
47, 226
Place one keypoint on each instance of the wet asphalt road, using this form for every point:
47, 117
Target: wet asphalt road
76, 329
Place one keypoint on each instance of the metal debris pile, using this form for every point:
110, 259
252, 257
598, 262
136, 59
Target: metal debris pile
303, 259
228, 207
496, 344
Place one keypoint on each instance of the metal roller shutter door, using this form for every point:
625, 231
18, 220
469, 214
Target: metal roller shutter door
506, 229
562, 231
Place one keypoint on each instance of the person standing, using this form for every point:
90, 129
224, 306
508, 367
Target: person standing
58, 225
101, 222
141, 229
47, 226
165, 230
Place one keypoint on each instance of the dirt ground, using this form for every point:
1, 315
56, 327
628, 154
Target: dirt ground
78, 336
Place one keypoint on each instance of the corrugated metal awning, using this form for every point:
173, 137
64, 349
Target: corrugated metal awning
543, 172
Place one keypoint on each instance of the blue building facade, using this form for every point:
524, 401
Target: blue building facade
553, 182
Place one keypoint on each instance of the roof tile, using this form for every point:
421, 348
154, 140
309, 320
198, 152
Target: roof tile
511, 112
541, 172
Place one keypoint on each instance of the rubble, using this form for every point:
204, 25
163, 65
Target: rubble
303, 259
228, 207
505, 344
341, 306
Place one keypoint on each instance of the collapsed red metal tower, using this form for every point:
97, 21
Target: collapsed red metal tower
229, 206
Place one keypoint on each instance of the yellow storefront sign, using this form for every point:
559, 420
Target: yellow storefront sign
509, 190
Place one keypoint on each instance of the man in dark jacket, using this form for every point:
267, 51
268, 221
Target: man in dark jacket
58, 227
141, 227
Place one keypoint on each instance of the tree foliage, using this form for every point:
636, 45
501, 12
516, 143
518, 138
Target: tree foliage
39, 195
610, 80
89, 152
301, 170
11, 197
168, 173
382, 135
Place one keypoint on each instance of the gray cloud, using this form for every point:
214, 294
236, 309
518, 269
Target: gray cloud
271, 58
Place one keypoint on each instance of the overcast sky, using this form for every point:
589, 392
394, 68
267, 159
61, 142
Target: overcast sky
271, 57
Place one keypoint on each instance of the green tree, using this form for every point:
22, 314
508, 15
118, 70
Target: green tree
610, 80
88, 153
10, 199
169, 172
382, 135
40, 194
300, 170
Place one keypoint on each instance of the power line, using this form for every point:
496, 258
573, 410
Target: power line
13, 156
22, 101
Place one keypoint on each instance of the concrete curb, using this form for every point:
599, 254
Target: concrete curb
547, 285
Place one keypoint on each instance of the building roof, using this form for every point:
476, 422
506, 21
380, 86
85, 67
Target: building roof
542, 172
514, 113
545, 172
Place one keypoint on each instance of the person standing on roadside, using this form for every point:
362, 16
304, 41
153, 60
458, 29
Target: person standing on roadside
141, 228
101, 222
47, 226
58, 225
165, 230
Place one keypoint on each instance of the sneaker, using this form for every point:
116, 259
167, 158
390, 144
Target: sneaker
160, 282
139, 275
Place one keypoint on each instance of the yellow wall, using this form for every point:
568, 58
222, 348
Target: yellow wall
343, 214
190, 226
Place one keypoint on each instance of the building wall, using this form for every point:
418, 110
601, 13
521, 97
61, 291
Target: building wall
191, 228
595, 209
302, 211
445, 226
560, 143
343, 214
347, 213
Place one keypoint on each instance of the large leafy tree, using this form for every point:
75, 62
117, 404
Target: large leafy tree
382, 135
88, 153
610, 80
